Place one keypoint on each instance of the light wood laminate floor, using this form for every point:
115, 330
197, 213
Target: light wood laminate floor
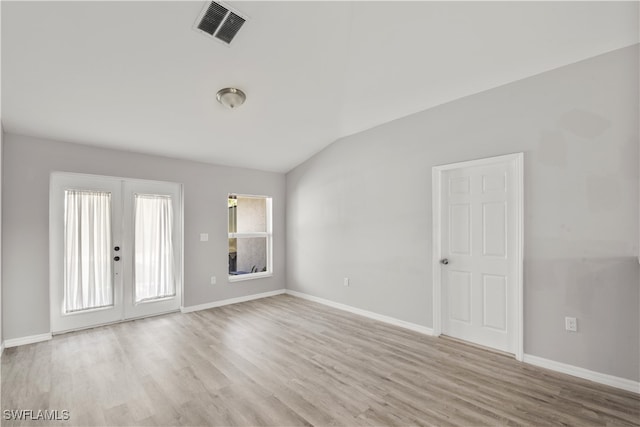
286, 361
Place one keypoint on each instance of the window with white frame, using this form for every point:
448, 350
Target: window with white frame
249, 237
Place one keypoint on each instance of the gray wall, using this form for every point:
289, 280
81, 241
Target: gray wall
361, 208
28, 163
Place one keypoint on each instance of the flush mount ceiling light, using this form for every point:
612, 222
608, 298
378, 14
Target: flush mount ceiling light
231, 97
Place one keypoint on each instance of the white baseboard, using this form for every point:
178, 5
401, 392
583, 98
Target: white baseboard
370, 314
220, 303
610, 380
15, 342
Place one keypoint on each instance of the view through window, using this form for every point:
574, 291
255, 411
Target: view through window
249, 236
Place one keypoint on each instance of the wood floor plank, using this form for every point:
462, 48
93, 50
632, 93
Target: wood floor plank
283, 361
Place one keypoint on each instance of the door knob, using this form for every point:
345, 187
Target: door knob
444, 261
116, 258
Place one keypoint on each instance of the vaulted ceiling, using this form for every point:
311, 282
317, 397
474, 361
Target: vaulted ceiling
137, 76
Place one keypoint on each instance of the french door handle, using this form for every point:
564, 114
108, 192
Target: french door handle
116, 258
444, 261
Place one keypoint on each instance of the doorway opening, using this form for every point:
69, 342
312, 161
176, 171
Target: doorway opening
115, 249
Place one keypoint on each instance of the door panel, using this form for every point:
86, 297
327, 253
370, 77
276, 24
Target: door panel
478, 219
459, 185
459, 283
148, 256
494, 308
494, 229
92, 256
495, 182
460, 235
67, 260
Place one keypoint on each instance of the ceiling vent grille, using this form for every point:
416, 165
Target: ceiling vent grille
218, 21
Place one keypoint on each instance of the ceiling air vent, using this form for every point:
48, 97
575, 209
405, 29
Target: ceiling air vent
218, 21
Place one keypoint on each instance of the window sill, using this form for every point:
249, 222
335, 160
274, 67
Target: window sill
250, 276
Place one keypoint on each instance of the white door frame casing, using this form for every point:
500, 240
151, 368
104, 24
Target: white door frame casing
517, 159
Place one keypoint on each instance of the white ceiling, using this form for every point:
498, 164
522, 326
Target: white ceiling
136, 76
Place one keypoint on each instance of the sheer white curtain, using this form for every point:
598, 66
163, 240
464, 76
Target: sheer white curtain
154, 269
87, 250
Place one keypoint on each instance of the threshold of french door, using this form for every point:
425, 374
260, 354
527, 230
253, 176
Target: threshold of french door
84, 328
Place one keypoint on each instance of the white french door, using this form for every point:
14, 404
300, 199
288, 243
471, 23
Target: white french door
115, 249
478, 252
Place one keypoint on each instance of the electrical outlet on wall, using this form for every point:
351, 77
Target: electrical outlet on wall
213, 280
346, 281
571, 324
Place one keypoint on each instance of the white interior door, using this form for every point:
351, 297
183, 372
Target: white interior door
115, 249
480, 255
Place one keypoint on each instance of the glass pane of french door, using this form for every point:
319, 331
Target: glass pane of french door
153, 247
88, 279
